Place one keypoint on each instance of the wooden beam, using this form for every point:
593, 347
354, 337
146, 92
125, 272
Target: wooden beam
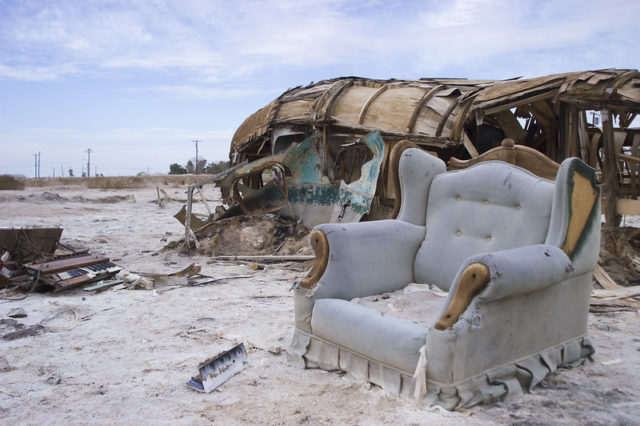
445, 116
572, 131
424, 99
627, 207
604, 279
471, 149
458, 124
511, 126
367, 104
609, 171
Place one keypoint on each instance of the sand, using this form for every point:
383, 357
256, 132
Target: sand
123, 357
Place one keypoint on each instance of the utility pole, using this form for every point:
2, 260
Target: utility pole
35, 165
196, 142
88, 151
38, 164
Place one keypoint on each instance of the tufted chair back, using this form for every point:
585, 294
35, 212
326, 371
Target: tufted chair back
488, 207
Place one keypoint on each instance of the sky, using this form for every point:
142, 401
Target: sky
137, 81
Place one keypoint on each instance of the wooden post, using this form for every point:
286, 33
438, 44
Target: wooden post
563, 121
609, 172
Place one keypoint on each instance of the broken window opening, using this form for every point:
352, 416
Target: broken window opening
349, 161
267, 190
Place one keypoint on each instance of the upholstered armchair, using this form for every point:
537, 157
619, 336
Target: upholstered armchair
515, 254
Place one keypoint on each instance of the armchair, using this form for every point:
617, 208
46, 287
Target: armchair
515, 253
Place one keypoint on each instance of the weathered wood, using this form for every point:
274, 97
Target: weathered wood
617, 293
282, 258
473, 152
522, 156
510, 125
425, 98
627, 207
394, 162
365, 107
583, 137
609, 171
320, 246
445, 116
474, 278
604, 279
583, 199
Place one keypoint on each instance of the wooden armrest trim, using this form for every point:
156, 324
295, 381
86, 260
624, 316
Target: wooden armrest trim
584, 193
320, 246
394, 164
474, 278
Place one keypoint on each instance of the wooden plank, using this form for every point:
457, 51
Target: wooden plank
511, 126
428, 95
365, 107
66, 264
266, 257
627, 207
473, 152
610, 171
617, 293
604, 279
445, 116
583, 137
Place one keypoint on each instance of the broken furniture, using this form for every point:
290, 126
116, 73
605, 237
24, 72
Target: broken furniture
515, 253
31, 253
66, 273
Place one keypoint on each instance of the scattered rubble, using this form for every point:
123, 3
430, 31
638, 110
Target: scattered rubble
249, 235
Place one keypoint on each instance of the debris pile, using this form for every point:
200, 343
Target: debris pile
249, 235
617, 282
34, 258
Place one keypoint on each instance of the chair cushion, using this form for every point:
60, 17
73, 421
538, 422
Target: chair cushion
488, 207
383, 338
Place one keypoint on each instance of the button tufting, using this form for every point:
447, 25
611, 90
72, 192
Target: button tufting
488, 238
486, 201
518, 206
458, 232
458, 197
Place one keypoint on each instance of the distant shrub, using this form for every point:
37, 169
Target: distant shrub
8, 182
122, 182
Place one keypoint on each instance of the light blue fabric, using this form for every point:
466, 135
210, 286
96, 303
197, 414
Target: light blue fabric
389, 340
488, 207
368, 258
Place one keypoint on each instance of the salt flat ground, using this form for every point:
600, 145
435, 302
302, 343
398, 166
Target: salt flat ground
123, 357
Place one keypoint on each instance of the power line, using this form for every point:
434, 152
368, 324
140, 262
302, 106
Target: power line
196, 142
88, 151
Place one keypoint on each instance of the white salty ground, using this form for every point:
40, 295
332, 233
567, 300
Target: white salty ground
124, 356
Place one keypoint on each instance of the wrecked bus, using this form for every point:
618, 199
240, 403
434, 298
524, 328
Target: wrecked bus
325, 152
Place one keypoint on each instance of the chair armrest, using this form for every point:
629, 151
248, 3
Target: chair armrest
362, 259
503, 274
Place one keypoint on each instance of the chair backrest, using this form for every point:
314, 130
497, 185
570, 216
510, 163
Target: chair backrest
488, 207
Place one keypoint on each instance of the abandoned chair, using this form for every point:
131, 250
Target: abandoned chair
514, 251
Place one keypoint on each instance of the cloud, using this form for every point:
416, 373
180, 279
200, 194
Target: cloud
218, 42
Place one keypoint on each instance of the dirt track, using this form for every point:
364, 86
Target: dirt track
124, 356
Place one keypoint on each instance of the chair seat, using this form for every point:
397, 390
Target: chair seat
383, 338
